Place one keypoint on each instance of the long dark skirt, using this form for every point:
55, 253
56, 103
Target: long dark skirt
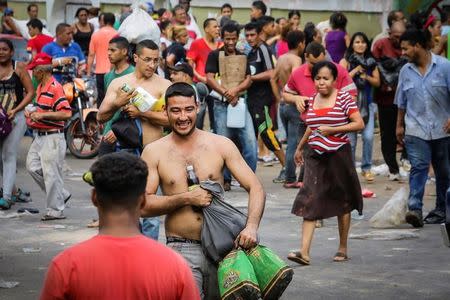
330, 187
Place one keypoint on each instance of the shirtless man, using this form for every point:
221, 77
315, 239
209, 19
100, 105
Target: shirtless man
290, 116
147, 60
209, 154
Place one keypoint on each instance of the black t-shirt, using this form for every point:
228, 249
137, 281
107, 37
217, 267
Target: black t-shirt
212, 63
260, 60
178, 50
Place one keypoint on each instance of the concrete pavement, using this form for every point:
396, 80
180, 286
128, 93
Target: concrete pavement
417, 268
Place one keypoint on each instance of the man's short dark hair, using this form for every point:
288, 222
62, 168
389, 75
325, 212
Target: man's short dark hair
261, 6
61, 27
253, 26
177, 8
180, 89
226, 5
415, 36
108, 18
278, 20
324, 64
294, 38
338, 21
230, 27
149, 44
264, 20
315, 49
294, 13
207, 21
32, 5
119, 180
392, 17
35, 23
121, 42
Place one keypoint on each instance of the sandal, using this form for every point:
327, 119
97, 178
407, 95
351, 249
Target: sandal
51, 218
298, 258
340, 257
5, 204
93, 224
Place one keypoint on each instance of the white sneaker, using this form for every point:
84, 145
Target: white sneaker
268, 161
406, 165
394, 177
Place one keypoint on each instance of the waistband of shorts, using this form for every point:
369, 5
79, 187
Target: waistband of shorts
175, 239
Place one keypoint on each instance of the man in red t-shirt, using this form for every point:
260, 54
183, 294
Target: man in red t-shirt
38, 40
300, 87
197, 57
119, 262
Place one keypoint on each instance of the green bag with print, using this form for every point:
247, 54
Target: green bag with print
236, 277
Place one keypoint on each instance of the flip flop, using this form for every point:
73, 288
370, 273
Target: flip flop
51, 218
340, 255
93, 224
298, 258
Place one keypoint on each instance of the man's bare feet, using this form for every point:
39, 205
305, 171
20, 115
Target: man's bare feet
341, 256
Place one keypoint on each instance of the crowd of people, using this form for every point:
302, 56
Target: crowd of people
319, 84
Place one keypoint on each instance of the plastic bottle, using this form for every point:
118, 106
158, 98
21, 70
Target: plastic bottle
193, 182
143, 100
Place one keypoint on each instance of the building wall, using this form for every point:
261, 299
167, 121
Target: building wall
20, 9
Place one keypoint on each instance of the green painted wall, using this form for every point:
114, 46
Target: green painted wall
366, 22
20, 9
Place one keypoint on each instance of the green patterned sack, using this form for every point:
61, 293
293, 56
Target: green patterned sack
236, 277
273, 274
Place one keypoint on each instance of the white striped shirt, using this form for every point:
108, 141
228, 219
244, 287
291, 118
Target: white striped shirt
335, 116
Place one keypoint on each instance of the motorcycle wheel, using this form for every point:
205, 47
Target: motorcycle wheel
81, 145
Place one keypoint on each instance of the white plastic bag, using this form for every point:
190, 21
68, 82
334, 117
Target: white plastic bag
393, 213
139, 26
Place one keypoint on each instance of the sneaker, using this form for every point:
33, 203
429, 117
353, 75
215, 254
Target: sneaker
435, 217
268, 161
281, 177
5, 204
414, 217
356, 216
368, 176
319, 223
394, 177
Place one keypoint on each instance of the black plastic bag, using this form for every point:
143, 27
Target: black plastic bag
222, 223
127, 132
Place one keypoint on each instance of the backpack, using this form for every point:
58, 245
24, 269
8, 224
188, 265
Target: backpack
5, 123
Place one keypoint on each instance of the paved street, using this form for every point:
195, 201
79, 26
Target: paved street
417, 268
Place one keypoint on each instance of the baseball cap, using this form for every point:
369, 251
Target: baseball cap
41, 59
182, 67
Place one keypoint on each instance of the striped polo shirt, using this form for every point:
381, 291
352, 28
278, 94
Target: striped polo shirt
50, 98
337, 115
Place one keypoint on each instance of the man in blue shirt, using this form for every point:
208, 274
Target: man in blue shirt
423, 122
63, 47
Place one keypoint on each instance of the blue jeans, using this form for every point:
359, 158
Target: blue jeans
367, 139
246, 135
421, 153
290, 117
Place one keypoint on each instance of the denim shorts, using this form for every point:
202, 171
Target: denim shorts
203, 269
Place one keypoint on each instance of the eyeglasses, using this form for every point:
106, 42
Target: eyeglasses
148, 60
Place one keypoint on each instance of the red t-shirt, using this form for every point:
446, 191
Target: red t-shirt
198, 53
301, 82
107, 267
38, 42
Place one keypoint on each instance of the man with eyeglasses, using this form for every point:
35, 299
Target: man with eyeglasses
147, 60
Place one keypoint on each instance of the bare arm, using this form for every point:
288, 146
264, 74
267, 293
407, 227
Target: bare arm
170, 60
162, 205
274, 83
212, 82
156, 118
298, 156
248, 180
90, 62
400, 128
264, 76
114, 99
374, 79
51, 115
356, 124
297, 100
200, 77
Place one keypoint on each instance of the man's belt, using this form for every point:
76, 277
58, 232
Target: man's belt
49, 132
174, 239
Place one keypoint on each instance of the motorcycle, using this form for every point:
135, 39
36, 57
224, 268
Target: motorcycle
82, 131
